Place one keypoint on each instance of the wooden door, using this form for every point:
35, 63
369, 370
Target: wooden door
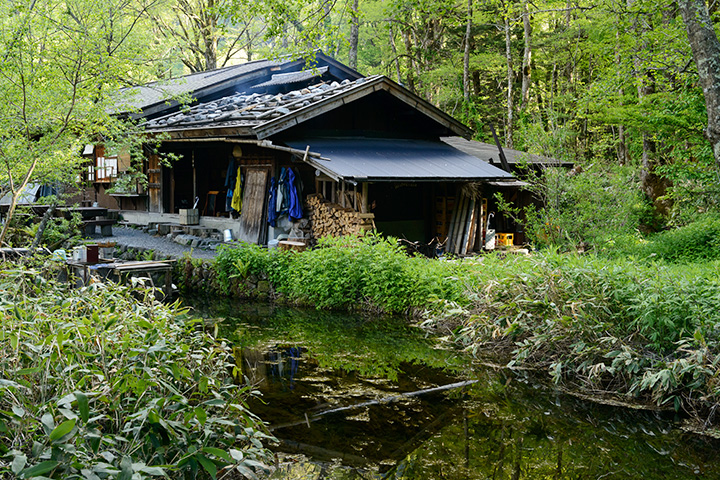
253, 216
154, 185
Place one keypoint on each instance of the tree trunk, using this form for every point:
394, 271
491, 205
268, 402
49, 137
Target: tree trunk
248, 49
706, 52
396, 60
652, 184
622, 148
354, 35
510, 75
527, 58
15, 195
43, 225
410, 61
466, 54
209, 31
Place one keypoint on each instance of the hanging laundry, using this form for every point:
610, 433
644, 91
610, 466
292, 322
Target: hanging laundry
230, 175
237, 192
272, 200
228, 200
282, 205
295, 203
230, 181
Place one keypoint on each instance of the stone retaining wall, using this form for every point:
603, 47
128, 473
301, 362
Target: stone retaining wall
194, 276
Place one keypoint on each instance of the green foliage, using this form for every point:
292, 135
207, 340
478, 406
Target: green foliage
58, 231
239, 262
697, 241
345, 272
592, 207
643, 329
97, 384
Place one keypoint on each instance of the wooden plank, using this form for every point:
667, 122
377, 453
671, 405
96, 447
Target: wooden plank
467, 226
154, 192
456, 225
462, 223
252, 219
453, 226
473, 219
364, 203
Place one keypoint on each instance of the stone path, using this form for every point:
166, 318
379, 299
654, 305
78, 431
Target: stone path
164, 245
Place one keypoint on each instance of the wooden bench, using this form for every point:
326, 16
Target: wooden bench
105, 225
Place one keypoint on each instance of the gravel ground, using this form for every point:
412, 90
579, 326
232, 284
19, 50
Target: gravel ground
134, 238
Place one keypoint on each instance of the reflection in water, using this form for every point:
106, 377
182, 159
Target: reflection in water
504, 426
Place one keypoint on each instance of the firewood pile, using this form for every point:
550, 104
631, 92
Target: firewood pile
333, 220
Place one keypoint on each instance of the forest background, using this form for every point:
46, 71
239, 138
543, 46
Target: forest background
611, 86
628, 91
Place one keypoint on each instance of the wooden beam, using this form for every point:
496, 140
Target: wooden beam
364, 202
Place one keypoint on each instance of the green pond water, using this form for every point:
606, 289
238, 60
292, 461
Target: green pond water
355, 397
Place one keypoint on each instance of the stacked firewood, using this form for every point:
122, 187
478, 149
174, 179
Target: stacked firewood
333, 220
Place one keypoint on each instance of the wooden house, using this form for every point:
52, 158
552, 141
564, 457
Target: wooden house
364, 152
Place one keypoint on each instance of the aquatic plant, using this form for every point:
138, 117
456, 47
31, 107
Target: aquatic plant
105, 382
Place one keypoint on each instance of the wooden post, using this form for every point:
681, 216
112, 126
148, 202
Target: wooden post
342, 194
167, 288
172, 191
364, 205
472, 228
192, 202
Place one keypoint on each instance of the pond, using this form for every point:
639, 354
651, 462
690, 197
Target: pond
354, 397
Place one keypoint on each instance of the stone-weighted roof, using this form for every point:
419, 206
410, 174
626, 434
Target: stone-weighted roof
251, 109
143, 96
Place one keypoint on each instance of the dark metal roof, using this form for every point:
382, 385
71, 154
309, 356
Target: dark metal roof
383, 159
292, 77
267, 115
489, 153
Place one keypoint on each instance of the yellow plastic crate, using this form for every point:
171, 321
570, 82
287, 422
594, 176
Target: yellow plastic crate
505, 239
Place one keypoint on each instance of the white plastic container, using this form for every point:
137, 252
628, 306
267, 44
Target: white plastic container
272, 244
79, 254
227, 235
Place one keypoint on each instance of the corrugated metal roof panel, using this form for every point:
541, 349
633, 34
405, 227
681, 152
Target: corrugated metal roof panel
292, 77
490, 153
382, 159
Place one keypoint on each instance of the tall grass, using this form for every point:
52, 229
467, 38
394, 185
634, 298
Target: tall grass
104, 382
645, 329
348, 273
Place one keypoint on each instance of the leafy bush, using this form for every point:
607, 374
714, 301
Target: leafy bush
369, 270
697, 241
639, 328
239, 262
96, 384
592, 207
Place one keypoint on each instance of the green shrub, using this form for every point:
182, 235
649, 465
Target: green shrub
344, 273
635, 327
592, 207
697, 241
97, 384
